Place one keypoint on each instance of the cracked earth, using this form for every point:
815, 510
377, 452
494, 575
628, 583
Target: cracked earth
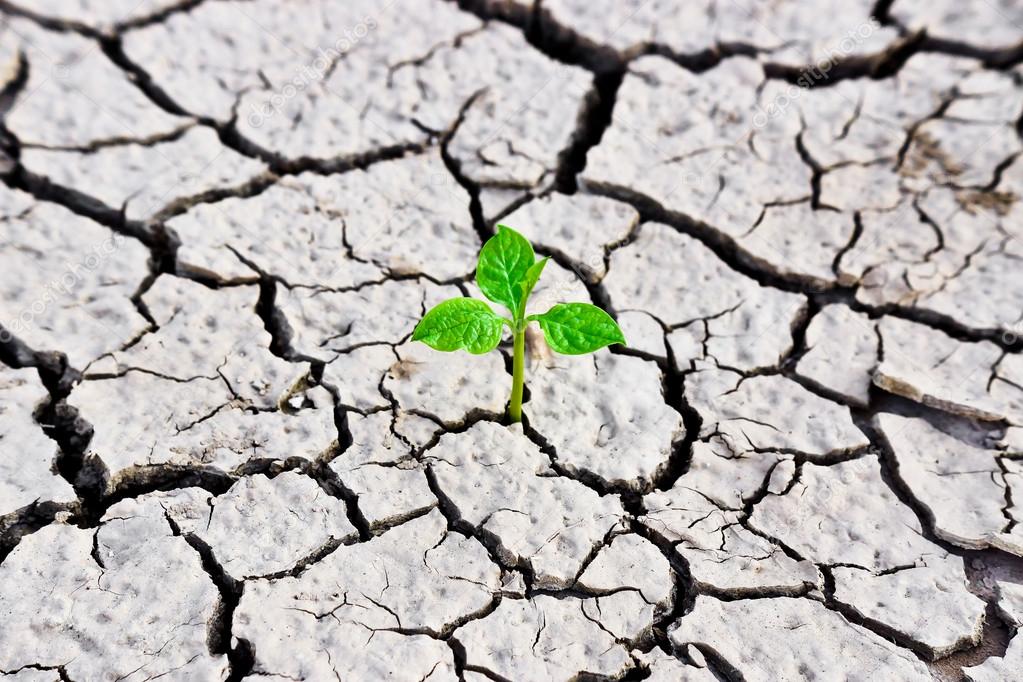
221, 457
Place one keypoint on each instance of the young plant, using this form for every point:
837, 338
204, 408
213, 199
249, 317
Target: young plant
506, 273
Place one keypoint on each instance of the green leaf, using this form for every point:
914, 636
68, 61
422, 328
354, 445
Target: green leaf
460, 323
577, 328
504, 261
527, 284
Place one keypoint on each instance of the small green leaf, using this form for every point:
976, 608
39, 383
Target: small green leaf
460, 323
504, 261
577, 328
527, 284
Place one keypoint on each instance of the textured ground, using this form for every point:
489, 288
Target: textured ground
222, 459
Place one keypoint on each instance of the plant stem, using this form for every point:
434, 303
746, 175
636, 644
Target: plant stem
518, 370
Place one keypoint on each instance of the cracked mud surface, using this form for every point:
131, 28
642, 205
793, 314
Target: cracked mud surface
221, 458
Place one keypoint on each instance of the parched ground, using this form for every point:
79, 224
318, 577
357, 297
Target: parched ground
222, 459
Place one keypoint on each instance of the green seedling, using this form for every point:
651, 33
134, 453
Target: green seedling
506, 273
